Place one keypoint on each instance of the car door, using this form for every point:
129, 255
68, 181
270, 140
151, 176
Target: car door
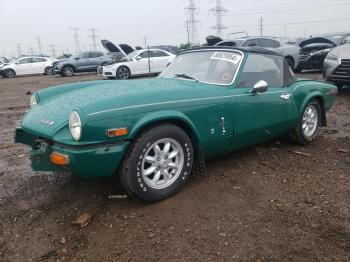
38, 65
262, 116
23, 66
96, 59
82, 62
159, 61
142, 63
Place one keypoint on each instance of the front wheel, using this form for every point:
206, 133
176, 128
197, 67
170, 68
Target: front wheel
123, 73
67, 71
309, 123
48, 70
158, 163
9, 73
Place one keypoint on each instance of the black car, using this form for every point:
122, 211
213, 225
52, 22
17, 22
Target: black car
313, 51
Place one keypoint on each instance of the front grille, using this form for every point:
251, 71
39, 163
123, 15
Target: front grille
343, 69
304, 57
108, 73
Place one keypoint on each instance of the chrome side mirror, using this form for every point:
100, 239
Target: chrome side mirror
259, 87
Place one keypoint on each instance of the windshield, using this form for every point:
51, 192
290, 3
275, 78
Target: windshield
334, 38
213, 67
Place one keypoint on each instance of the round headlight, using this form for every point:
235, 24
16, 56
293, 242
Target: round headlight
33, 102
75, 125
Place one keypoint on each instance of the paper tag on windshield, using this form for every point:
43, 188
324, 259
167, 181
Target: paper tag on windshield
227, 56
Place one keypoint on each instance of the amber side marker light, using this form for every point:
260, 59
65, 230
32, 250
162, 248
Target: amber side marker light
59, 159
113, 132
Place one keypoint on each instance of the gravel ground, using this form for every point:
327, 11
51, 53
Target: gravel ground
260, 204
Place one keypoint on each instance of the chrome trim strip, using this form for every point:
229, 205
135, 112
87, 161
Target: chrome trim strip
177, 101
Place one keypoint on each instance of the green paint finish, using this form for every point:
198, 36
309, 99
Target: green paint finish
219, 118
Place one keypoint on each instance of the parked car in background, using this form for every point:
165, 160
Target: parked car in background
336, 67
83, 62
290, 52
169, 48
3, 61
139, 62
28, 65
313, 51
152, 132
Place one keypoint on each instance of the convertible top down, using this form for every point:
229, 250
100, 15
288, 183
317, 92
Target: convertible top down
152, 132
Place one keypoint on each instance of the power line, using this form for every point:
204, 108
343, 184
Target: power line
219, 11
192, 11
93, 38
76, 39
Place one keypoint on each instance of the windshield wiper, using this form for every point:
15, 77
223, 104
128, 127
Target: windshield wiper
186, 76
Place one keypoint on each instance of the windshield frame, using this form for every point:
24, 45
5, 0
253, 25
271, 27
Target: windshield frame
214, 50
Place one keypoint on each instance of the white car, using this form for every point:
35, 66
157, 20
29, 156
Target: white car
139, 62
28, 65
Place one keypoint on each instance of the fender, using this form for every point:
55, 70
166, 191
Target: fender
308, 98
163, 116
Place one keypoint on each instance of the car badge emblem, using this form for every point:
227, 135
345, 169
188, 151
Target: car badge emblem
47, 122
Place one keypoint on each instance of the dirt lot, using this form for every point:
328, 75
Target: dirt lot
260, 204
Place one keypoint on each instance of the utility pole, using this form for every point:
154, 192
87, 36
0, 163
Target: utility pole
285, 33
31, 50
192, 11
53, 50
39, 45
188, 31
261, 26
145, 41
76, 39
93, 38
219, 11
19, 50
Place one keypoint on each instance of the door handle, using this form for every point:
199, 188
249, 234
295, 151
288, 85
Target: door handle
286, 96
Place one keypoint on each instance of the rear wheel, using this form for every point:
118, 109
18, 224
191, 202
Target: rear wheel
10, 73
67, 71
123, 73
309, 123
158, 163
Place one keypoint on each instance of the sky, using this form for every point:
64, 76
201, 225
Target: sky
157, 21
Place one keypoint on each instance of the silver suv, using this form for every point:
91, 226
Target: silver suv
83, 62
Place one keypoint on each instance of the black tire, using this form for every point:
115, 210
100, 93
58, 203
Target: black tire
340, 85
134, 165
68, 70
290, 62
48, 70
299, 136
9, 73
123, 73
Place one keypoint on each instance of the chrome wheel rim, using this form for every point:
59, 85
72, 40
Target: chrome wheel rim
10, 73
68, 71
310, 121
123, 73
162, 163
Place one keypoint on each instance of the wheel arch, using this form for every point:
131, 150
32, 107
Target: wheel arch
319, 97
166, 116
75, 69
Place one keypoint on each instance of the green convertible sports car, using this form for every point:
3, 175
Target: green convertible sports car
155, 132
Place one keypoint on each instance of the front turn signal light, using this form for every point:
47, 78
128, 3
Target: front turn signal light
113, 132
59, 159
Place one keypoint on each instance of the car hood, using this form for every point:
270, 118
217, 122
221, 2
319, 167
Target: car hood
96, 100
316, 40
110, 47
342, 51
